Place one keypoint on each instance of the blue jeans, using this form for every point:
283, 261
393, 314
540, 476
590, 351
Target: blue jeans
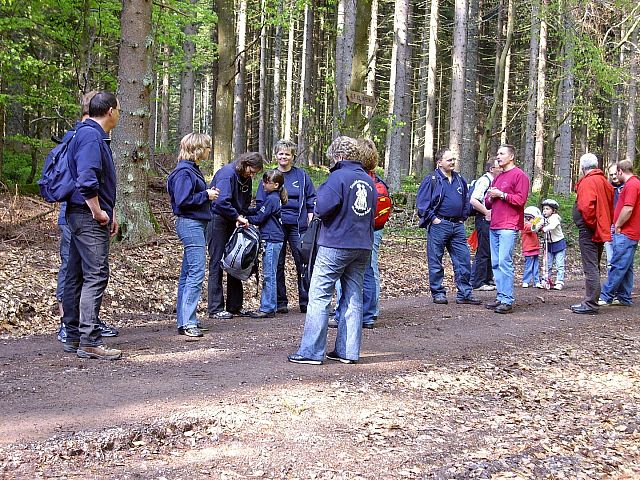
371, 287
558, 258
620, 279
87, 277
269, 297
291, 236
451, 236
65, 240
531, 273
502, 246
192, 235
333, 264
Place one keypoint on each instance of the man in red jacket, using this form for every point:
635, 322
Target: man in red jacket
593, 214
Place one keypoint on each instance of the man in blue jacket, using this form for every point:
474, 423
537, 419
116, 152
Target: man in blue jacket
443, 207
91, 219
346, 204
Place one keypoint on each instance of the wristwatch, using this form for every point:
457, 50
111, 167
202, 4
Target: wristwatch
503, 196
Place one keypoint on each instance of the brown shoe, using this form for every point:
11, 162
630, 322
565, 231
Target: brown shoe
101, 352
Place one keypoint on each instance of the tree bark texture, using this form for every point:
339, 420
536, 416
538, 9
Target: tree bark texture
187, 81
632, 110
430, 118
562, 178
530, 130
456, 104
239, 91
343, 58
131, 136
538, 170
304, 114
468, 154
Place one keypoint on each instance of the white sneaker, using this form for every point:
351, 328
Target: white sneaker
558, 286
486, 287
603, 303
525, 285
539, 285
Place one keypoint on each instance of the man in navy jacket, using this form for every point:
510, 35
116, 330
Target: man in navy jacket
346, 204
91, 219
443, 207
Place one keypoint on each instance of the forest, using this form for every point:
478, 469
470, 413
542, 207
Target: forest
555, 78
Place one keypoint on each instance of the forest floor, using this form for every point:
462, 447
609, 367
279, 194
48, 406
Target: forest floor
441, 391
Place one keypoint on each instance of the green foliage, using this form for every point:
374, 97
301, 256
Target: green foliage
17, 166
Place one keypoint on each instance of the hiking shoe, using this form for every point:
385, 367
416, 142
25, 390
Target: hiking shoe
486, 287
71, 347
190, 331
334, 356
62, 333
284, 309
368, 326
240, 313
295, 358
558, 286
503, 308
221, 315
333, 323
604, 303
101, 352
440, 300
261, 314
106, 330
493, 305
468, 301
525, 285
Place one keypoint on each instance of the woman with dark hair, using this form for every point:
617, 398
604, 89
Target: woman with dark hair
235, 183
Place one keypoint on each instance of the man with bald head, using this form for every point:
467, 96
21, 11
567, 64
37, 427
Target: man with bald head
593, 214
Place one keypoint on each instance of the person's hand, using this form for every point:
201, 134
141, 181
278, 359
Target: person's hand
242, 222
436, 221
487, 217
213, 193
494, 192
114, 227
101, 217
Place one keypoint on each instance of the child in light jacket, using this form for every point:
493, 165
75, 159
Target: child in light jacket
556, 243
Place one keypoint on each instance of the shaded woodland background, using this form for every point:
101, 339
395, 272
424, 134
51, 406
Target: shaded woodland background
556, 78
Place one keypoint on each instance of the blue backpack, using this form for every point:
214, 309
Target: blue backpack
57, 183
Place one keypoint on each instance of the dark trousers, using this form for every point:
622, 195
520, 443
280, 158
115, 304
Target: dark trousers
482, 273
292, 237
591, 253
219, 230
87, 277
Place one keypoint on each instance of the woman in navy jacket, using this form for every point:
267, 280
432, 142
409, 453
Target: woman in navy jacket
296, 215
191, 202
235, 183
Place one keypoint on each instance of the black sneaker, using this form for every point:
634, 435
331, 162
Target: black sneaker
190, 331
368, 326
240, 313
283, 309
106, 330
295, 358
334, 356
261, 314
440, 300
203, 328
503, 308
493, 305
468, 301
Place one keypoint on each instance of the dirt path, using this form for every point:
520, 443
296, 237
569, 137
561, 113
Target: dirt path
429, 399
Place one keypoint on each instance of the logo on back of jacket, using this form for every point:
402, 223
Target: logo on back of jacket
360, 206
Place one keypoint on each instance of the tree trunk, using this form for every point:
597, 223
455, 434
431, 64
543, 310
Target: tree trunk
262, 116
288, 96
343, 58
223, 123
372, 58
355, 118
399, 86
131, 137
632, 111
486, 134
538, 170
277, 106
505, 100
306, 69
164, 103
187, 81
456, 105
530, 137
239, 110
430, 117
562, 180
468, 155
418, 155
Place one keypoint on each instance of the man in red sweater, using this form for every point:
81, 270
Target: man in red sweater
592, 213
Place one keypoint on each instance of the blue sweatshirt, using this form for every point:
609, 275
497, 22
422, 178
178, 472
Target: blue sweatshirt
267, 218
235, 193
188, 191
434, 190
302, 197
91, 163
346, 204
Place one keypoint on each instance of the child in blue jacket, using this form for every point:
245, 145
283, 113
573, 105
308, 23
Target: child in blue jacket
267, 218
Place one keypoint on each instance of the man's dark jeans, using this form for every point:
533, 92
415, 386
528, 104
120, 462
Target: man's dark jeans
450, 236
87, 276
219, 231
292, 236
591, 253
482, 273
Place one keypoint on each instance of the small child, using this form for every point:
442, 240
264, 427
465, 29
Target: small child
531, 248
267, 218
556, 244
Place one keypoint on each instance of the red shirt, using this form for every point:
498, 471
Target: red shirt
629, 196
508, 214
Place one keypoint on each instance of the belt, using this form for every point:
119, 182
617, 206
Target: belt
452, 219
